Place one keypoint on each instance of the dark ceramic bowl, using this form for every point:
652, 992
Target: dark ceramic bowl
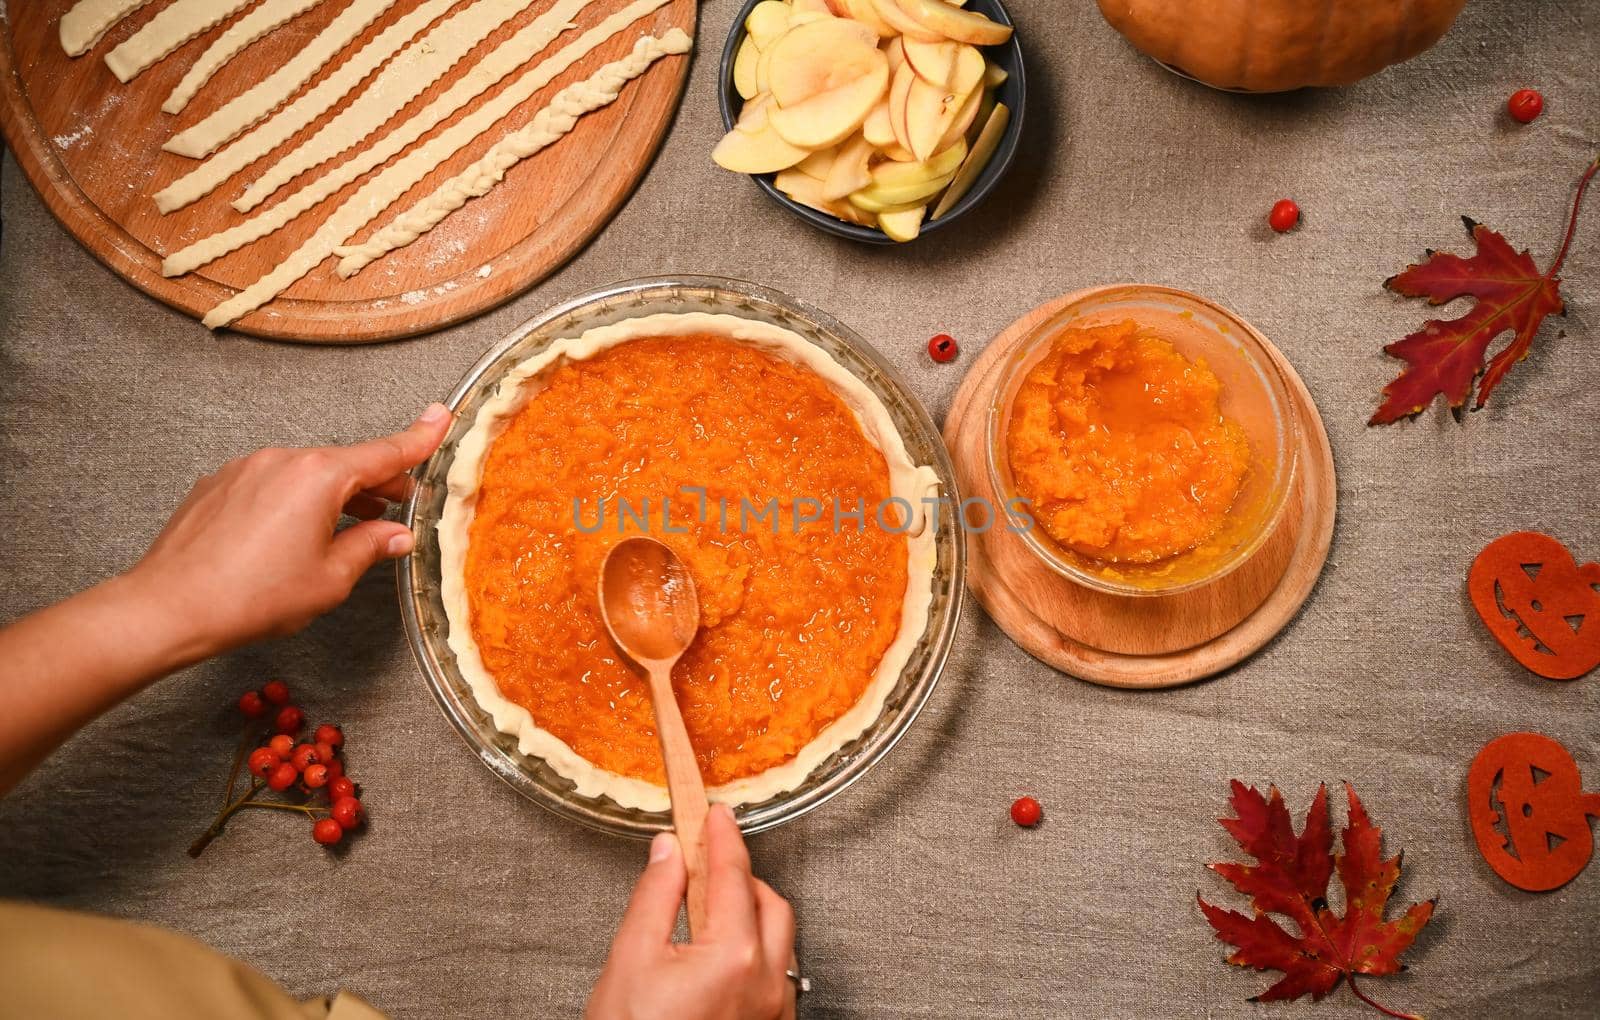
1013, 92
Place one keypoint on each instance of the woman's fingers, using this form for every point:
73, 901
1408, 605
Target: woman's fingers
653, 909
730, 889
379, 460
355, 550
776, 921
395, 489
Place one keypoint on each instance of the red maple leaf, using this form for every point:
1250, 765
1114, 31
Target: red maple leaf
1444, 357
1290, 878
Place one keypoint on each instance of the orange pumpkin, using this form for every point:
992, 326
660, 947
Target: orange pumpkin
1277, 45
1538, 603
1528, 811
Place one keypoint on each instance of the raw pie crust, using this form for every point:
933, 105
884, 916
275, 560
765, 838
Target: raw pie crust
906, 480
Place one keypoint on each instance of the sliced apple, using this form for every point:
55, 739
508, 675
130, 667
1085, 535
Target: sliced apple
964, 119
935, 63
807, 191
903, 23
812, 7
929, 113
767, 20
744, 69
880, 198
902, 225
897, 154
828, 118
864, 12
756, 150
819, 163
877, 128
753, 116
994, 76
977, 160
941, 165
764, 72
950, 22
850, 169
895, 50
898, 94
820, 55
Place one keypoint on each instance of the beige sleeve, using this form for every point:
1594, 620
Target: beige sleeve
70, 966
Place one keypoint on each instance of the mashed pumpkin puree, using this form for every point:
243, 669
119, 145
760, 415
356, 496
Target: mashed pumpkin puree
1119, 443
794, 621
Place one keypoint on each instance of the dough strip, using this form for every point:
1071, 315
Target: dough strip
402, 79
247, 108
504, 59
89, 20
177, 23
270, 15
283, 125
548, 126
386, 188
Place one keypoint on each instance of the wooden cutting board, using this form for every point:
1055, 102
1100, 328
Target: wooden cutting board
92, 148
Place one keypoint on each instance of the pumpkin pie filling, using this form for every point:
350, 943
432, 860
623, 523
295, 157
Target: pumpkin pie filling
689, 437
1119, 444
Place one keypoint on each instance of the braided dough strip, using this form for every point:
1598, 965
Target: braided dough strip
247, 108
383, 190
548, 126
175, 25
89, 20
503, 60
402, 79
204, 179
270, 15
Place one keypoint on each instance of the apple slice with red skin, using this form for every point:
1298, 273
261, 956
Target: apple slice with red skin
830, 117
951, 22
850, 170
977, 159
903, 23
753, 147
818, 56
899, 92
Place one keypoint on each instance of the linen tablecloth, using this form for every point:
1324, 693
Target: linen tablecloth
917, 897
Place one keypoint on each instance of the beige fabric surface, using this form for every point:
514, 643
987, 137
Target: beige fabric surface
916, 896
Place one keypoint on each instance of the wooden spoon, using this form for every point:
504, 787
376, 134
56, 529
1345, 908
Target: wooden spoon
648, 603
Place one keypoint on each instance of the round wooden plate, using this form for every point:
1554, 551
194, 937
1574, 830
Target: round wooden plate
1140, 642
92, 148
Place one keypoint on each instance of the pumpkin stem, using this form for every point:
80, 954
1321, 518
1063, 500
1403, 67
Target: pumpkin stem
1380, 1007
1572, 223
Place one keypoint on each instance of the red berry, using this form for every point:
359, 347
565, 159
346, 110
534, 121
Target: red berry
283, 744
942, 348
263, 760
327, 831
330, 735
341, 788
1285, 214
325, 751
252, 704
335, 769
315, 776
304, 757
1525, 105
1026, 812
282, 776
347, 812
276, 691
290, 719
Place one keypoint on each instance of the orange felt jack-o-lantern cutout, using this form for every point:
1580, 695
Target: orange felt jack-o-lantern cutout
1528, 810
1538, 603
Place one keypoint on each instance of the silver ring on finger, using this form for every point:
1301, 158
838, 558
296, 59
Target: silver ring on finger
802, 985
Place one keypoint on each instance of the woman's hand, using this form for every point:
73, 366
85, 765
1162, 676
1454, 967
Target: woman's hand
734, 970
252, 552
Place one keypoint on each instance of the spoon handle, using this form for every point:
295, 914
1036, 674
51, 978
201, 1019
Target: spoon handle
686, 788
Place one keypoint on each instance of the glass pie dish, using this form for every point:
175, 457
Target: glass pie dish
1255, 393
419, 574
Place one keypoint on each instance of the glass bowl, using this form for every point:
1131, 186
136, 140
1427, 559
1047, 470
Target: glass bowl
1255, 393
419, 574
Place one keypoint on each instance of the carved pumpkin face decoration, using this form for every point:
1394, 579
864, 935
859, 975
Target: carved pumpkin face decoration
1538, 603
1528, 811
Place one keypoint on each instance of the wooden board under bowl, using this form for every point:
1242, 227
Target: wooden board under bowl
91, 146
